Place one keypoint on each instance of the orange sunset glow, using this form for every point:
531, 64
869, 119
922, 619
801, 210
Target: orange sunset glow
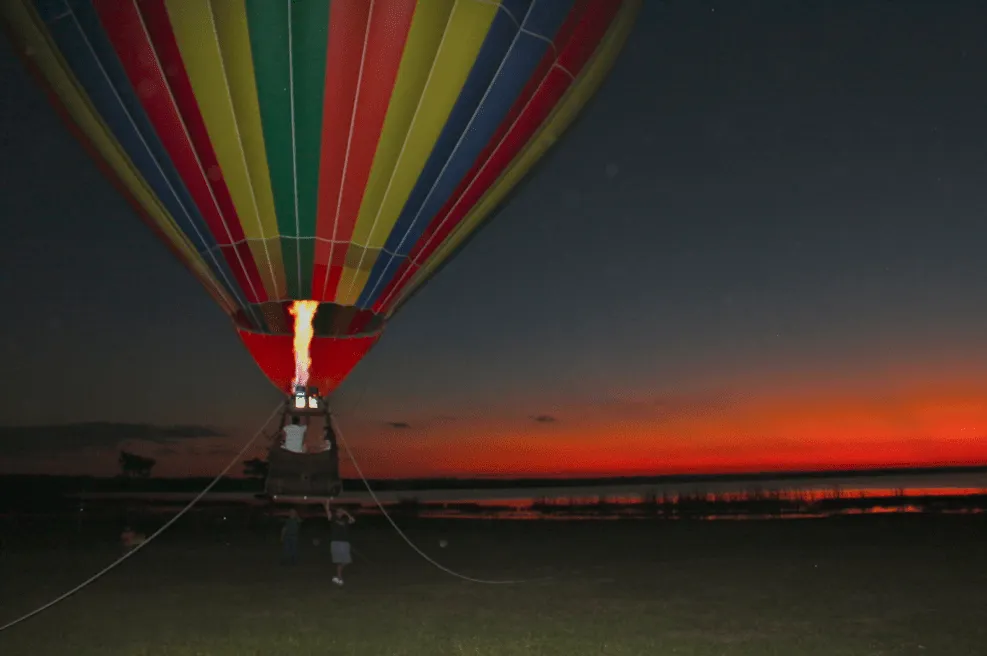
634, 434
742, 435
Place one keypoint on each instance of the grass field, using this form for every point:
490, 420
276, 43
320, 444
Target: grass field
853, 586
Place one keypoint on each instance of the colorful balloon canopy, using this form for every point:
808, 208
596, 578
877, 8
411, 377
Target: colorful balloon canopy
306, 149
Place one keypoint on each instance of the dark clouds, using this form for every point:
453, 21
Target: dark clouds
425, 424
420, 423
25, 440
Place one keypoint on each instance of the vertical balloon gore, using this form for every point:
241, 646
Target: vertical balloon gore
304, 313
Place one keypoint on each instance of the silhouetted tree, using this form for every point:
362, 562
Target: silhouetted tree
255, 468
135, 466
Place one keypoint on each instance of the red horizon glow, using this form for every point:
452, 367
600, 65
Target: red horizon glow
921, 429
931, 427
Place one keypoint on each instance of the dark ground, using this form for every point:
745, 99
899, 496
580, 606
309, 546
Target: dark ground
894, 584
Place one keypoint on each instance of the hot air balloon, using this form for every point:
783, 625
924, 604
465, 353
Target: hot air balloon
338, 152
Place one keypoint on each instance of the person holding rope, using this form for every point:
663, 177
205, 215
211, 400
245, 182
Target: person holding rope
339, 540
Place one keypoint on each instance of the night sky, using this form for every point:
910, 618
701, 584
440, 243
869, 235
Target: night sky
761, 247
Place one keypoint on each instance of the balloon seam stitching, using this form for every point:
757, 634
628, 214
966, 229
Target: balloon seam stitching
243, 155
181, 119
232, 290
404, 145
349, 144
294, 141
455, 149
416, 261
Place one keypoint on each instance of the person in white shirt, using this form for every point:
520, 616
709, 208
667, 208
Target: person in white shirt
294, 436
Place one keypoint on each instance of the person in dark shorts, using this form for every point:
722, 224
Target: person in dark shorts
339, 540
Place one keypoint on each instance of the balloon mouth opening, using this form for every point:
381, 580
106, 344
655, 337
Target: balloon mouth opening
331, 357
330, 320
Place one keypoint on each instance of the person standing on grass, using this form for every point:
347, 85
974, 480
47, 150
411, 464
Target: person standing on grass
339, 540
289, 538
131, 539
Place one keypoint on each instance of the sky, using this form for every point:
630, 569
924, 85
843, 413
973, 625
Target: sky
760, 248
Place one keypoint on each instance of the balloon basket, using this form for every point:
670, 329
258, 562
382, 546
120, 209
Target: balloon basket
314, 474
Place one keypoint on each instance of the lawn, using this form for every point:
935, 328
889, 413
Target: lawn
856, 586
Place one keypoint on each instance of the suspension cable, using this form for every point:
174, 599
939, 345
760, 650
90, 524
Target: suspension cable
383, 510
161, 530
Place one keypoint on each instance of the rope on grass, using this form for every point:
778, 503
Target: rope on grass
383, 510
161, 530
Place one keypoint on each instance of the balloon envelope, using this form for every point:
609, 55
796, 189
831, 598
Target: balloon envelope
305, 149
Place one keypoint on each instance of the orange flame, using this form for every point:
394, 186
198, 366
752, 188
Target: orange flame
304, 313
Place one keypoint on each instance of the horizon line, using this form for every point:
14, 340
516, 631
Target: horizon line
793, 473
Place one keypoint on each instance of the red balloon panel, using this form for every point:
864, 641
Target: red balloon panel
332, 358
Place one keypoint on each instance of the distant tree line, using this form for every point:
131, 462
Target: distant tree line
135, 466
255, 468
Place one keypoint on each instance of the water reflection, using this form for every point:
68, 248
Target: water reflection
751, 504
707, 500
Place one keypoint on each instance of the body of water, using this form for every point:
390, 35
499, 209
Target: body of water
711, 499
